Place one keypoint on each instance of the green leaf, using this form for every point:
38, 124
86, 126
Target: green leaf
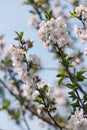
71, 86
72, 95
26, 2
73, 14
1, 37
38, 99
60, 81
48, 15
5, 104
32, 12
85, 97
19, 36
62, 72
76, 104
6, 61
45, 88
16, 114
80, 76
59, 75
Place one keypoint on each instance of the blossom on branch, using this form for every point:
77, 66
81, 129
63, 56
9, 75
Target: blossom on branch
54, 31
77, 121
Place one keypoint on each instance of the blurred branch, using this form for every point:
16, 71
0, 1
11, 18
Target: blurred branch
27, 107
25, 121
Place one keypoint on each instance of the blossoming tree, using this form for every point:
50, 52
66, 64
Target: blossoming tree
63, 106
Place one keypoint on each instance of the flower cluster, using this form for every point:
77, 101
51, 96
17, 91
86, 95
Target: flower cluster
54, 31
81, 10
81, 14
24, 69
78, 122
35, 60
76, 61
81, 32
59, 96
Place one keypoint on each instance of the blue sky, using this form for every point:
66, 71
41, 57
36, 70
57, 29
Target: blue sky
14, 17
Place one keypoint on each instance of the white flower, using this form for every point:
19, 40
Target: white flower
34, 21
77, 121
54, 31
80, 32
76, 30
59, 96
80, 9
26, 89
81, 125
11, 48
36, 60
77, 60
42, 83
85, 52
35, 94
40, 108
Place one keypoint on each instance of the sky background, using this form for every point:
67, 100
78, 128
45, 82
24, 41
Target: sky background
14, 17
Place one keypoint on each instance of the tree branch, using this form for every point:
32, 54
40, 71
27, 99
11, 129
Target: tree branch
67, 70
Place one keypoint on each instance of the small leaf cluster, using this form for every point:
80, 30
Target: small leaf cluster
24, 44
19, 36
66, 60
48, 15
78, 76
62, 75
73, 14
